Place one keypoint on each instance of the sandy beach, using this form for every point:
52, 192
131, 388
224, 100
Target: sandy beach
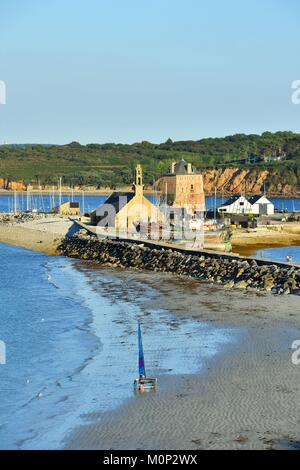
246, 398
42, 234
246, 242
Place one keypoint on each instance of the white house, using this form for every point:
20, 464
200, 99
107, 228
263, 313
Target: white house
261, 205
236, 205
258, 205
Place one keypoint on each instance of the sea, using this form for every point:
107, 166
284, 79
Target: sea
44, 202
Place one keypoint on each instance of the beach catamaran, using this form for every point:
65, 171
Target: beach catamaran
143, 383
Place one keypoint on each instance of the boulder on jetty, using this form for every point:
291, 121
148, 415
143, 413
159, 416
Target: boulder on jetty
230, 272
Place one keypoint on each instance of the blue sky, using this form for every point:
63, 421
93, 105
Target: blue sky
132, 70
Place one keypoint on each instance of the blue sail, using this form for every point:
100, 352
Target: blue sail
142, 370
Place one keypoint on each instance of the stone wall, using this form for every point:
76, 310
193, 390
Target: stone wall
228, 272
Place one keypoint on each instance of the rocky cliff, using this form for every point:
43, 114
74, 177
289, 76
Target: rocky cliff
251, 181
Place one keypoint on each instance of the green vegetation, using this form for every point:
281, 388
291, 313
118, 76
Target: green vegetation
104, 165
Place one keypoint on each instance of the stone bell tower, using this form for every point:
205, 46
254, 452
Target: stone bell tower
138, 185
183, 187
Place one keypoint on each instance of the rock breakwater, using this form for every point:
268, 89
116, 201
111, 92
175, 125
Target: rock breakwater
228, 272
21, 217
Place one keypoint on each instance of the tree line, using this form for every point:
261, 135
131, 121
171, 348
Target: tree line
112, 164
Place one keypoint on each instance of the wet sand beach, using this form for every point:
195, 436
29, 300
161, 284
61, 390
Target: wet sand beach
246, 397
246, 242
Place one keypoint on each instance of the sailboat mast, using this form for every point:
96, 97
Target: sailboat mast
166, 200
215, 204
15, 202
59, 191
27, 200
83, 201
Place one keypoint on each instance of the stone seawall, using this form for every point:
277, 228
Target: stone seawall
228, 272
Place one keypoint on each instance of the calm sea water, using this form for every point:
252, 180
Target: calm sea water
70, 333
280, 254
44, 202
88, 203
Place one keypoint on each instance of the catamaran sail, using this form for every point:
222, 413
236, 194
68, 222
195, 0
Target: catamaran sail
143, 384
142, 370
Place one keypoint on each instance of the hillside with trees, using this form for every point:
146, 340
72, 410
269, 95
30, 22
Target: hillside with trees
109, 165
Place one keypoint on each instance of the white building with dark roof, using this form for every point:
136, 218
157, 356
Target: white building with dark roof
261, 205
236, 205
256, 205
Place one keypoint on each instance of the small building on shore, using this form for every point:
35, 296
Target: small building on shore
261, 205
67, 208
236, 205
127, 210
255, 205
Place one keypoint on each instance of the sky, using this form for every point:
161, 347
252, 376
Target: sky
126, 71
